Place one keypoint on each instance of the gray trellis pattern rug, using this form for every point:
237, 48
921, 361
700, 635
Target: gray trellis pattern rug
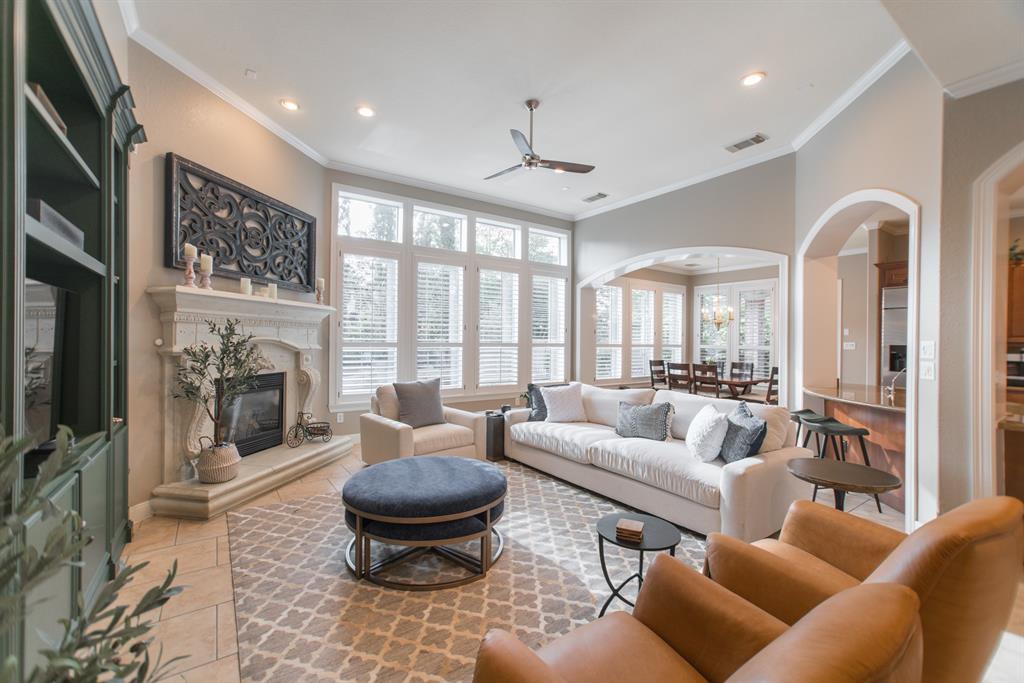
302, 617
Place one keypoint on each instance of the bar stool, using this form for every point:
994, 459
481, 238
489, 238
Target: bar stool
831, 429
797, 415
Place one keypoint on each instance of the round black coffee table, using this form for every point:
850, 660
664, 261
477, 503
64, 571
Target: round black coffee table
843, 477
658, 535
424, 503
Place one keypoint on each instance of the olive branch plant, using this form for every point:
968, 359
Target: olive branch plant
106, 641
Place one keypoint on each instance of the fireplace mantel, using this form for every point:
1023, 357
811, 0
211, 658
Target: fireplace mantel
288, 333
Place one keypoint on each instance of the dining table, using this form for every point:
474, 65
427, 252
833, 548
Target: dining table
738, 387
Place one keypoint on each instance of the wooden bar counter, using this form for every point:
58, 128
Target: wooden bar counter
870, 407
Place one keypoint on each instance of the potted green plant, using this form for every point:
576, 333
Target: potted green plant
213, 376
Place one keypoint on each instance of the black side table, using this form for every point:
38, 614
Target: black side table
658, 535
495, 435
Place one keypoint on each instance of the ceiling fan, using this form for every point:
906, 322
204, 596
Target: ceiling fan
531, 159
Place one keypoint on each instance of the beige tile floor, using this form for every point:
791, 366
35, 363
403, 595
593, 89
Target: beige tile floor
199, 624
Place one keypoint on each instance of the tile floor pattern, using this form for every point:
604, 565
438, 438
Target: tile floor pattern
201, 624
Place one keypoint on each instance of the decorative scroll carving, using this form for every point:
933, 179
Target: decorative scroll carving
309, 377
248, 233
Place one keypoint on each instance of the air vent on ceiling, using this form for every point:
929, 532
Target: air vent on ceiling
595, 197
755, 139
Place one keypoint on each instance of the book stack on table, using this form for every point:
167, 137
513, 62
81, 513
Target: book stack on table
629, 530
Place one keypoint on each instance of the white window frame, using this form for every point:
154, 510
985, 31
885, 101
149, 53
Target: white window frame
409, 255
731, 292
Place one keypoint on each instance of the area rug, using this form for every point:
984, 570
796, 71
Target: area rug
302, 617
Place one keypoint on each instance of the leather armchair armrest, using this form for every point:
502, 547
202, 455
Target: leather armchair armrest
854, 545
475, 421
787, 590
711, 627
383, 439
502, 658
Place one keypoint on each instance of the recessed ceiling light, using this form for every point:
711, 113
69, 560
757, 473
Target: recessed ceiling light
365, 111
250, 74
564, 188
753, 79
290, 105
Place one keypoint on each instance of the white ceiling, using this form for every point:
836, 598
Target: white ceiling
648, 92
700, 264
968, 45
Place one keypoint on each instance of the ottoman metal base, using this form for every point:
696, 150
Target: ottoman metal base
491, 547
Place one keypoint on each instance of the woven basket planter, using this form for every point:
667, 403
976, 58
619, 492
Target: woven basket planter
218, 464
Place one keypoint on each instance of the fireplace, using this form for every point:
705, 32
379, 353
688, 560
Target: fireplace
255, 420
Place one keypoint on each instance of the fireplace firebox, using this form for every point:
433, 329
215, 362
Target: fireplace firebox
255, 420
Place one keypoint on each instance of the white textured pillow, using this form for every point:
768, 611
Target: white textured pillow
564, 404
706, 433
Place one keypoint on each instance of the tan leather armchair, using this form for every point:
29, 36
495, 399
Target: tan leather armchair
685, 629
382, 437
964, 566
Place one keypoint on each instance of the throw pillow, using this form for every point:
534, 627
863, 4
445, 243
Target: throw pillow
706, 433
538, 411
645, 422
745, 434
564, 404
419, 403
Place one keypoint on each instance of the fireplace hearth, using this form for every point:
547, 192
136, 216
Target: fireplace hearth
255, 420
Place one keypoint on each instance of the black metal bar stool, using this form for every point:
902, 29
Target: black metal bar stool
797, 415
835, 432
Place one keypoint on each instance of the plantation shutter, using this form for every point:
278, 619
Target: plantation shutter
548, 329
672, 326
369, 323
499, 328
642, 324
439, 324
756, 327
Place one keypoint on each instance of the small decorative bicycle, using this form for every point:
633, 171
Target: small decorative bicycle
303, 429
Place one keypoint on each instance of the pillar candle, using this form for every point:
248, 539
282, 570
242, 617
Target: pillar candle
245, 285
206, 263
190, 251
320, 283
272, 291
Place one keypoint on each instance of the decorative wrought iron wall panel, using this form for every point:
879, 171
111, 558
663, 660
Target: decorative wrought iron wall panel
248, 233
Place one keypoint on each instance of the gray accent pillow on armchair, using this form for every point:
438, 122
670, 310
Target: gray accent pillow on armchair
419, 403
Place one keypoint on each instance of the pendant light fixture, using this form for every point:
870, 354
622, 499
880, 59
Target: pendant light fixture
718, 314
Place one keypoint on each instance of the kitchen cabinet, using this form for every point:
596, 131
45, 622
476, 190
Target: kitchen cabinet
1015, 304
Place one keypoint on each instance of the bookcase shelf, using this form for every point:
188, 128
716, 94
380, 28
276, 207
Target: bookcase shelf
45, 249
50, 154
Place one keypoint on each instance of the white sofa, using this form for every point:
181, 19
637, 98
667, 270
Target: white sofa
382, 437
747, 499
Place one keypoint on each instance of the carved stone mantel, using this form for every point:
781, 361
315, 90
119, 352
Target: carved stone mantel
288, 333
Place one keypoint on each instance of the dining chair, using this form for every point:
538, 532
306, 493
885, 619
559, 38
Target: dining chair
705, 375
771, 396
680, 376
658, 374
742, 370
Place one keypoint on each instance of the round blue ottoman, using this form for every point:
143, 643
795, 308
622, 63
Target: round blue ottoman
425, 503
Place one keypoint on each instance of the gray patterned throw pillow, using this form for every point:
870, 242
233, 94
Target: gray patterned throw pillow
745, 434
645, 422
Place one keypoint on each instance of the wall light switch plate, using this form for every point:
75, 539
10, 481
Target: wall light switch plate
846, 331
340, 417
927, 350
849, 346
927, 370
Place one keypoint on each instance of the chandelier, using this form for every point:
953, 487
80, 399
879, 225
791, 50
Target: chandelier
718, 314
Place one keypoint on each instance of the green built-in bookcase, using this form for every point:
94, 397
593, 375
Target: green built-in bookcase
63, 329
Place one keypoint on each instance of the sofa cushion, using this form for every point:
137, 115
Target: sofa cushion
567, 439
645, 422
688, 405
419, 403
539, 411
706, 434
564, 403
387, 402
602, 405
667, 465
440, 437
745, 434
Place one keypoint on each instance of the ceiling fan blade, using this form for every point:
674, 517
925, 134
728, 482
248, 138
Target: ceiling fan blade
522, 143
510, 169
565, 166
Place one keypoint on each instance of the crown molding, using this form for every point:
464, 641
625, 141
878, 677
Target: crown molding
987, 80
853, 252
129, 15
888, 61
446, 189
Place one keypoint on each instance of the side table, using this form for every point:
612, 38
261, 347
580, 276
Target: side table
495, 435
658, 535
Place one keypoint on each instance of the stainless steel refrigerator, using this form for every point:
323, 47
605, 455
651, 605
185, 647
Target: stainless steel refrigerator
894, 334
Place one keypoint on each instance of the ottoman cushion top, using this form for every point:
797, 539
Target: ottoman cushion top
424, 486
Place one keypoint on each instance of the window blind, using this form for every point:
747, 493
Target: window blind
755, 328
498, 327
609, 315
439, 325
369, 322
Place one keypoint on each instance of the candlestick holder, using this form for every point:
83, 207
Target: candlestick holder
204, 280
319, 295
190, 272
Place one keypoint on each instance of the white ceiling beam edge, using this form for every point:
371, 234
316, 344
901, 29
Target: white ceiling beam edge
1007, 73
129, 16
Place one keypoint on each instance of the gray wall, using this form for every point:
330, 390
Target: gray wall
978, 131
891, 138
854, 271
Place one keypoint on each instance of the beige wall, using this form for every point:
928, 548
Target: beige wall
978, 131
854, 271
890, 138
1017, 231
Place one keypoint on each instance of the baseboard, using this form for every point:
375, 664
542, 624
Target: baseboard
140, 512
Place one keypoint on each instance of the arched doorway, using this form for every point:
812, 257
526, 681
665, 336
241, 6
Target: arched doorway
655, 258
990, 241
814, 362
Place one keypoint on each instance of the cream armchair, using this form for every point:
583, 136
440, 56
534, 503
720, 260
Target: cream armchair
382, 437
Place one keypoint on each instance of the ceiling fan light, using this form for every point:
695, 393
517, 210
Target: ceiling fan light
559, 170
753, 78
